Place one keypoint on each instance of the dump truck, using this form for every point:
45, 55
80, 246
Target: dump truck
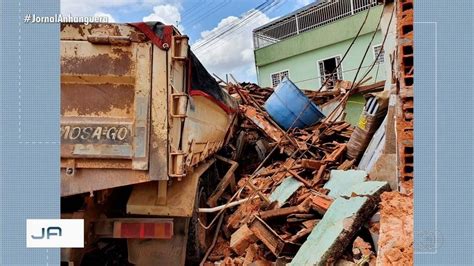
141, 119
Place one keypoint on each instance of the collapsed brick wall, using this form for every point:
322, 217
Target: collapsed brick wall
405, 60
395, 245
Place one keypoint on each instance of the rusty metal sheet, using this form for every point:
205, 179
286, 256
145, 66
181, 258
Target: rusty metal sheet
89, 180
105, 94
79, 31
204, 130
158, 146
143, 200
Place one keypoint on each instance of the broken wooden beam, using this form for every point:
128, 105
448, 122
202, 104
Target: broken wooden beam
347, 164
241, 239
271, 239
278, 170
336, 154
319, 175
278, 212
311, 164
228, 179
300, 178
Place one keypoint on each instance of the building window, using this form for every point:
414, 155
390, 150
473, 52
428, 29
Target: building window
379, 49
327, 70
277, 77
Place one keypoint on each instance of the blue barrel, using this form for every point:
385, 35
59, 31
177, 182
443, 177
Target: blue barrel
287, 102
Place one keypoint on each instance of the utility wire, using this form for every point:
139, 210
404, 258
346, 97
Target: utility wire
236, 31
210, 11
194, 8
207, 43
367, 50
319, 77
243, 18
262, 8
383, 43
194, 11
218, 33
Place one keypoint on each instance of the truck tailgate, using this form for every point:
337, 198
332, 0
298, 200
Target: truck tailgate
105, 97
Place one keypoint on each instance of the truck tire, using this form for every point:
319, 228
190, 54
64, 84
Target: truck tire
199, 239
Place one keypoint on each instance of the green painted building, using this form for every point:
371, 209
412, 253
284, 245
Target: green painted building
309, 43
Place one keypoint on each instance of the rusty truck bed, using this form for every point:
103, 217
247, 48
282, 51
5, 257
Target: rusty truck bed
127, 115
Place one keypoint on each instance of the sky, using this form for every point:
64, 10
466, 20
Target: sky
201, 21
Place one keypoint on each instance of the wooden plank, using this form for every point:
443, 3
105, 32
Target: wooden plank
319, 175
241, 239
378, 86
225, 181
271, 239
346, 165
336, 154
300, 178
311, 164
341, 127
278, 170
278, 212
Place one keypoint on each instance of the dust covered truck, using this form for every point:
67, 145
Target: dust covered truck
140, 121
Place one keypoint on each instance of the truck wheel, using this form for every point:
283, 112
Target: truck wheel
199, 238
196, 246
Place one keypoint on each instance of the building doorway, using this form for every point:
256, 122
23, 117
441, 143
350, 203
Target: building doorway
327, 71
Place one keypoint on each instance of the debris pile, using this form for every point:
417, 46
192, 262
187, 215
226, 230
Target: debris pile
396, 229
300, 199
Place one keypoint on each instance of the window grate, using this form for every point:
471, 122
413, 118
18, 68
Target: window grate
277, 77
379, 49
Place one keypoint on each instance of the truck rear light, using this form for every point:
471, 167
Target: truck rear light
154, 230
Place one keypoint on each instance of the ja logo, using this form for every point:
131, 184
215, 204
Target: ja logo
54, 233
50, 231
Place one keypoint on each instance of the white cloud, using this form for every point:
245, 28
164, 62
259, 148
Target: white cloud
91, 7
168, 14
102, 14
233, 52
